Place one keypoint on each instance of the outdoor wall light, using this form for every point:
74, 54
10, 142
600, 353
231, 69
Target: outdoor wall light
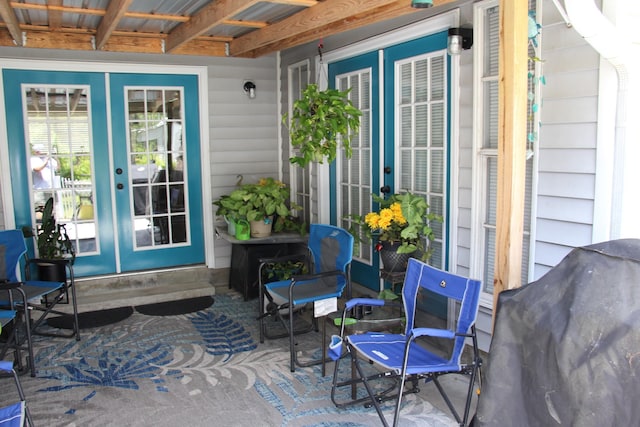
459, 39
419, 4
250, 89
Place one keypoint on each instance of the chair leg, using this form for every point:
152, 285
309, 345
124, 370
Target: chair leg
292, 339
22, 397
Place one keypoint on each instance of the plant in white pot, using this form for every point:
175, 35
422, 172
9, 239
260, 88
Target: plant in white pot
264, 203
320, 122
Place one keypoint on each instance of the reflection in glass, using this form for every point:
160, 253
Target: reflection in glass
58, 136
157, 166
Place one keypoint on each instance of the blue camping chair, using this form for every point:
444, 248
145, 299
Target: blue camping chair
42, 296
330, 253
17, 331
17, 414
405, 357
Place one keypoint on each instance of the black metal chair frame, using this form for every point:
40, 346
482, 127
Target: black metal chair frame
400, 370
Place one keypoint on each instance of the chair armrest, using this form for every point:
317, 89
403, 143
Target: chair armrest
364, 301
10, 285
432, 332
304, 277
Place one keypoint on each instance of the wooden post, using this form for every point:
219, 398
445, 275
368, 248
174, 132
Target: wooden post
512, 137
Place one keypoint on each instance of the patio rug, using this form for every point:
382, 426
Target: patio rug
173, 308
91, 319
200, 369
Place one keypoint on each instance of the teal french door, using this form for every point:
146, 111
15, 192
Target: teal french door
413, 154
156, 170
353, 181
119, 155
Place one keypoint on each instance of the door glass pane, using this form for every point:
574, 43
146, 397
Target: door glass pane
355, 173
157, 166
58, 137
420, 160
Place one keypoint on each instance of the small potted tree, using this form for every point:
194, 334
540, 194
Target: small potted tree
320, 121
54, 245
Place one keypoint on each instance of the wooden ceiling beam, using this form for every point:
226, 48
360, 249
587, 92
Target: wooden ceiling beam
118, 42
11, 20
387, 11
306, 3
96, 12
45, 29
399, 8
115, 12
55, 15
209, 16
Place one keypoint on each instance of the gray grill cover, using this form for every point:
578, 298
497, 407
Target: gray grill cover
566, 348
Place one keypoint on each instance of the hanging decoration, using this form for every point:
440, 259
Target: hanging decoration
535, 77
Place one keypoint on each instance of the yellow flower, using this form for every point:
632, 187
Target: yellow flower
386, 218
397, 213
372, 220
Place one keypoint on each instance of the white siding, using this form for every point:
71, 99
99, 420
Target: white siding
567, 143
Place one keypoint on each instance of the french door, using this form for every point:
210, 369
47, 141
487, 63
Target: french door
413, 153
119, 155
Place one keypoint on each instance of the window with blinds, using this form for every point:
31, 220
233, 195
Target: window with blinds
300, 177
421, 123
355, 174
487, 132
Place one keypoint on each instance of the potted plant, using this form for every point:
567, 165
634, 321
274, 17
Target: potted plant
266, 202
53, 243
319, 121
402, 226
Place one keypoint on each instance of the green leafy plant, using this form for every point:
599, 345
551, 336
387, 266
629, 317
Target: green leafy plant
402, 218
276, 271
255, 202
52, 239
319, 121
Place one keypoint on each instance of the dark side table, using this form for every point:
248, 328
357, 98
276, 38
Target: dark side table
395, 278
246, 255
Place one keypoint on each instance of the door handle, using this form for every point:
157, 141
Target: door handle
385, 189
120, 186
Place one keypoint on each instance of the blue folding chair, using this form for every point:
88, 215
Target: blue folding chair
16, 414
404, 357
17, 332
41, 296
330, 254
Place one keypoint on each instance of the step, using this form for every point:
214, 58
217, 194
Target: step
149, 287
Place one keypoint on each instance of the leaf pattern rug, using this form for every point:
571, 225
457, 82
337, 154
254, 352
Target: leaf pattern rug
200, 369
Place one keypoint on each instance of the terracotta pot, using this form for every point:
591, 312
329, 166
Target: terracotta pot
261, 228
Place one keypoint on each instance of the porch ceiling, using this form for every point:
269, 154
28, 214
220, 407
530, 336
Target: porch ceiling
237, 28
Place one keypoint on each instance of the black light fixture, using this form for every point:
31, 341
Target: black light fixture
420, 4
459, 39
250, 89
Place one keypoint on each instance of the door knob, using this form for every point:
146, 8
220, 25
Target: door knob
119, 171
385, 189
120, 186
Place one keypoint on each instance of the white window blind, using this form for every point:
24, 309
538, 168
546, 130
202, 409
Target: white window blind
421, 122
355, 174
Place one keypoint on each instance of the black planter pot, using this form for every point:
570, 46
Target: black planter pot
52, 271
